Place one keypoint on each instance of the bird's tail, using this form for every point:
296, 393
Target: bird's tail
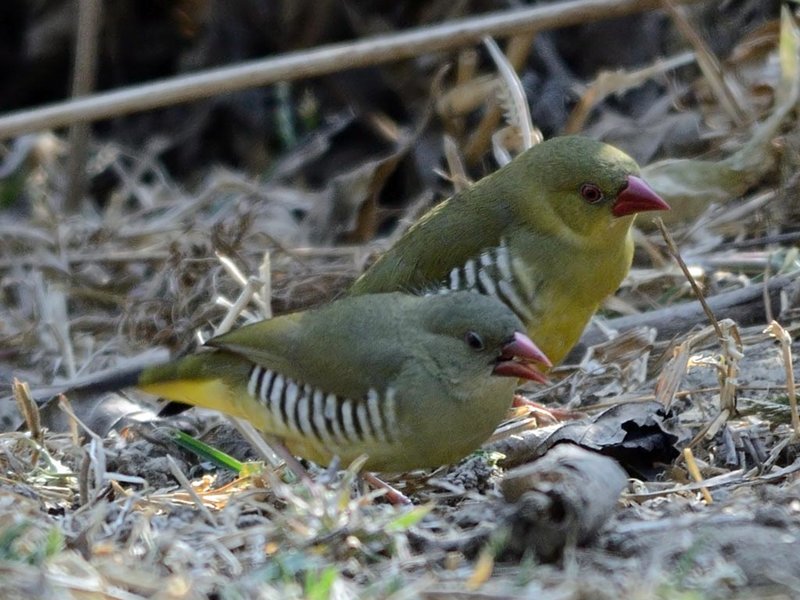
111, 383
215, 380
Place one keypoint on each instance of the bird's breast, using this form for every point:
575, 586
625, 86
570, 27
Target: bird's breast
553, 287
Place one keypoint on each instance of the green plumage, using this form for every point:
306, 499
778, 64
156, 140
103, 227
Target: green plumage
565, 253
389, 375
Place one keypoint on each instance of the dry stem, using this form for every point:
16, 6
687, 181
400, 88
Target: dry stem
318, 61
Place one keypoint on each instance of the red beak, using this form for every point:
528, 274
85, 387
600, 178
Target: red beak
516, 358
637, 197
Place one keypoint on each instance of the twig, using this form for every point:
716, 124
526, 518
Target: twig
52, 303
745, 306
83, 81
319, 61
778, 332
247, 294
259, 291
29, 410
765, 294
264, 294
616, 82
184, 482
709, 65
731, 480
728, 339
467, 66
232, 270
516, 53
673, 249
112, 256
256, 440
83, 478
251, 287
671, 376
775, 238
456, 172
694, 471
515, 102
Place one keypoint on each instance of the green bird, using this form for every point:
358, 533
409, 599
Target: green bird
410, 381
549, 234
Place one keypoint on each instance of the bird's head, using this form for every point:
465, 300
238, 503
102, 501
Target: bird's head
586, 186
478, 335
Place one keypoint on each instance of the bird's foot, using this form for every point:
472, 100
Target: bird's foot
393, 495
547, 415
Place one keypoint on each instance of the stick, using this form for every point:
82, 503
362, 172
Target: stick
673, 249
745, 306
83, 82
318, 61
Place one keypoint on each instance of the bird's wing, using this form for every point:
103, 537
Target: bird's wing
445, 238
327, 348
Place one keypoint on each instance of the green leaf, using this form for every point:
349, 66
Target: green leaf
409, 519
205, 451
319, 584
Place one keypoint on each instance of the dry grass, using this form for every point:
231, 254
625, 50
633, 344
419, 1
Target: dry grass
100, 515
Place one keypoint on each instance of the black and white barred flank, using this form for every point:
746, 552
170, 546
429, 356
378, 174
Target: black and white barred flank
492, 274
311, 412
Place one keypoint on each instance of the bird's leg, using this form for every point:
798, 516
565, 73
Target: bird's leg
329, 474
548, 415
393, 495
291, 462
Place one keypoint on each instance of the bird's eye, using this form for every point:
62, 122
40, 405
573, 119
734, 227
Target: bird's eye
591, 193
474, 340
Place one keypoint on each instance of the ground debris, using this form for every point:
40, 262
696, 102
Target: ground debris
314, 179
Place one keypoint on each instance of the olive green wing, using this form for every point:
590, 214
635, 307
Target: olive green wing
449, 235
346, 348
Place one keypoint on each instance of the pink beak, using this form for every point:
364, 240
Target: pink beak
517, 356
637, 197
